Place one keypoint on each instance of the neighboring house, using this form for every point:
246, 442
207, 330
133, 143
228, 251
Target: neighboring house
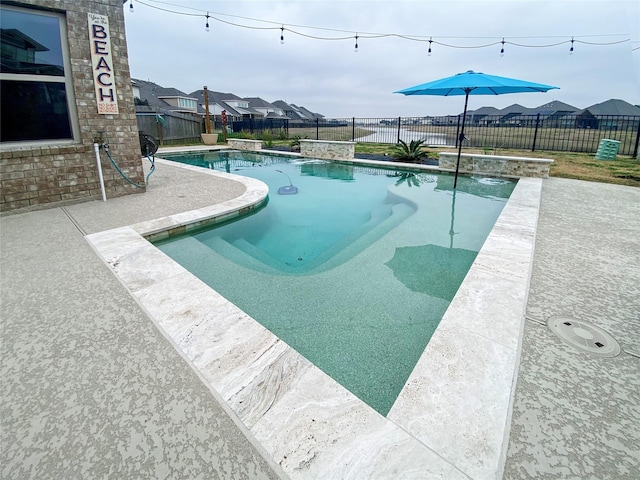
289, 111
19, 54
554, 109
411, 121
151, 97
482, 116
268, 110
553, 114
512, 115
241, 106
446, 120
307, 113
606, 115
233, 105
613, 107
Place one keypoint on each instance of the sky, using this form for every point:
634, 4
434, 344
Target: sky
330, 78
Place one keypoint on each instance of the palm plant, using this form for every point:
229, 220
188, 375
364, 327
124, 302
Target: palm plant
413, 152
267, 138
295, 143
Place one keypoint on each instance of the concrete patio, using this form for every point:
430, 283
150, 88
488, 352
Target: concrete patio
92, 388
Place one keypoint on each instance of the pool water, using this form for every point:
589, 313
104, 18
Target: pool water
355, 269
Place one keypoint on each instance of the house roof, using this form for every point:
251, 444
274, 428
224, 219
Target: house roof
257, 102
612, 107
223, 99
483, 111
289, 110
282, 104
153, 93
553, 108
308, 113
15, 37
513, 110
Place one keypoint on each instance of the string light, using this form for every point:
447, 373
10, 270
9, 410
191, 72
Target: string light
206, 27
416, 38
571, 49
356, 48
282, 35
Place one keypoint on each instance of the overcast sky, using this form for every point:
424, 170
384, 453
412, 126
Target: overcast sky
328, 77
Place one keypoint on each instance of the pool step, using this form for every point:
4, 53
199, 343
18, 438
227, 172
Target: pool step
383, 220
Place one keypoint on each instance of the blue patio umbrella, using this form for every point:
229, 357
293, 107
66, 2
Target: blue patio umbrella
473, 83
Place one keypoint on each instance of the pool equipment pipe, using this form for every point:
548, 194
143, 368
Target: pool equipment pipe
287, 189
96, 147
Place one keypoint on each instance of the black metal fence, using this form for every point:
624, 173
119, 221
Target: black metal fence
570, 133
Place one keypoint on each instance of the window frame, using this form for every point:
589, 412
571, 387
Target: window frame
66, 79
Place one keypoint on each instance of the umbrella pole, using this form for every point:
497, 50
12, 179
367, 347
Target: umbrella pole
461, 138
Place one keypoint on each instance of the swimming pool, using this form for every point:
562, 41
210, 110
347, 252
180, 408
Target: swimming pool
355, 270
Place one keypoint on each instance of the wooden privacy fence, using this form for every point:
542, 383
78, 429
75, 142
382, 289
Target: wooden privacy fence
171, 128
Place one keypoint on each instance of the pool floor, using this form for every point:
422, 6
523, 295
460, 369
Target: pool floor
363, 306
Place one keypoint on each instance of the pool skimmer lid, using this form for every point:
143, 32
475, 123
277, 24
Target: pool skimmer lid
584, 336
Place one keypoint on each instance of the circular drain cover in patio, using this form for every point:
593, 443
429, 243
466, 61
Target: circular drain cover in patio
584, 336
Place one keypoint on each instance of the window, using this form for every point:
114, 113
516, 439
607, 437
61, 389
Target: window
35, 78
188, 103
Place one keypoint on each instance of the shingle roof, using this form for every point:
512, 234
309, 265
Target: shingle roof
483, 111
307, 113
513, 109
221, 98
553, 107
257, 102
289, 110
151, 92
612, 107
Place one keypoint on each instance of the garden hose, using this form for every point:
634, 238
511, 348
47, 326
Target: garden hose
117, 167
152, 161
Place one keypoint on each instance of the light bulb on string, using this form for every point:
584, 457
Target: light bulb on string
571, 49
282, 35
131, 6
429, 51
356, 47
206, 27
502, 49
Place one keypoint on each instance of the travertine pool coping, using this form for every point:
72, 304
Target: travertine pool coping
450, 421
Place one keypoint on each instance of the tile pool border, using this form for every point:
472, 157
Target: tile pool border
450, 421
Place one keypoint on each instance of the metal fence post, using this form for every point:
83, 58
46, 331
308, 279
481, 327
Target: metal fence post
399, 123
317, 128
353, 129
635, 147
535, 133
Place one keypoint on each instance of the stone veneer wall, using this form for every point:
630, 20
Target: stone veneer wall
497, 165
67, 171
327, 149
244, 144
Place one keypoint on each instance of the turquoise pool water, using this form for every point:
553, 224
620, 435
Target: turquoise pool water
355, 269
